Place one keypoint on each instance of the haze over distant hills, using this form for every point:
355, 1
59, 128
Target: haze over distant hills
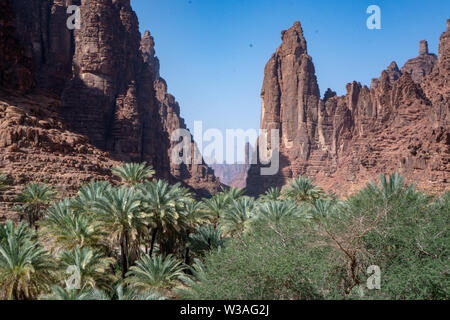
401, 123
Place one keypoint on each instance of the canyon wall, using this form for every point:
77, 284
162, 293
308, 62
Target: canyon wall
74, 103
401, 123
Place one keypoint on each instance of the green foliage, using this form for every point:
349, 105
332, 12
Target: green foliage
25, 267
277, 212
132, 174
70, 229
268, 263
193, 214
206, 239
34, 199
324, 251
163, 206
119, 210
273, 194
216, 205
235, 220
92, 265
125, 293
60, 293
302, 189
296, 243
161, 203
410, 242
233, 193
155, 273
88, 195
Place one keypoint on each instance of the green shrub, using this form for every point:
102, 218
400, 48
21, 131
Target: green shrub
325, 254
271, 262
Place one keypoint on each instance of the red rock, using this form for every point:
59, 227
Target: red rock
90, 98
402, 123
422, 65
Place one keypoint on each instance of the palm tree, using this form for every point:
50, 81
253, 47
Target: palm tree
21, 232
197, 271
273, 194
390, 187
277, 211
236, 218
92, 265
233, 193
25, 267
155, 273
322, 208
197, 274
216, 205
303, 189
35, 199
162, 205
88, 195
125, 293
60, 293
70, 229
206, 239
193, 215
132, 174
119, 210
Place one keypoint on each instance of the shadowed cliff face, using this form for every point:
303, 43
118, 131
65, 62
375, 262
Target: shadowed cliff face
15, 67
103, 81
399, 124
168, 109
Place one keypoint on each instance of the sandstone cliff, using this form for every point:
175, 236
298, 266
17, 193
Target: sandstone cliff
233, 175
94, 96
401, 123
199, 175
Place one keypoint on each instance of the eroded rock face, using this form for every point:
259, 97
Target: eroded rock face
107, 88
41, 30
15, 67
37, 146
399, 124
422, 65
198, 175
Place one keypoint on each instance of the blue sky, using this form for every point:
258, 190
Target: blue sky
213, 52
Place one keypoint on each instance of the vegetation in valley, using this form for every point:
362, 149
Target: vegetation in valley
145, 239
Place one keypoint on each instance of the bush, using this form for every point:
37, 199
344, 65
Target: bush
326, 254
272, 262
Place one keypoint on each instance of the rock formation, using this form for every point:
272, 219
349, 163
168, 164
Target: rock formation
15, 67
37, 146
401, 123
198, 175
94, 96
232, 175
422, 65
